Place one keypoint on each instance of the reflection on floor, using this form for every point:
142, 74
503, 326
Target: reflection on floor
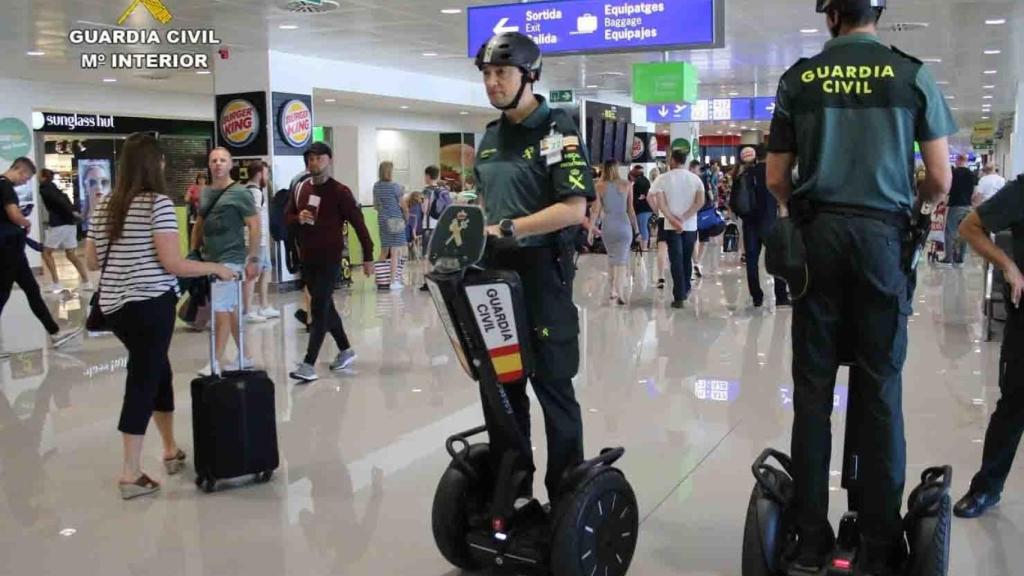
693, 395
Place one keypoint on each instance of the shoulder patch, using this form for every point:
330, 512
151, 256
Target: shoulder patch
563, 121
905, 55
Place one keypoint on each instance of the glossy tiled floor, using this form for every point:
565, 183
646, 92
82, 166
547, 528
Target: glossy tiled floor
693, 395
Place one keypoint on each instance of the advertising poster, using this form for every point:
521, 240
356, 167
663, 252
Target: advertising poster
94, 182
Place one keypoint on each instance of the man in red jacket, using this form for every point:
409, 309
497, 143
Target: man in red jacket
321, 207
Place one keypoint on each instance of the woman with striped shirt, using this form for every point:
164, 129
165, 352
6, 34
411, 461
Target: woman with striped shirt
134, 241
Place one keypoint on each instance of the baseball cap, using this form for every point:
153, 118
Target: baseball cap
318, 149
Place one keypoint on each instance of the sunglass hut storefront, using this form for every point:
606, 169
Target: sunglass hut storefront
83, 150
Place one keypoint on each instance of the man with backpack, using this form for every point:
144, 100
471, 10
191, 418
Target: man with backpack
754, 204
438, 197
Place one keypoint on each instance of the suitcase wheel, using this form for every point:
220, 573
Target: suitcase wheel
264, 477
209, 485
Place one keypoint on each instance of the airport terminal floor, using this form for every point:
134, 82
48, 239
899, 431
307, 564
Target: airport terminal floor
693, 394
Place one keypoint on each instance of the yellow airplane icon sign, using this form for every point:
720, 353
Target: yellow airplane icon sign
156, 9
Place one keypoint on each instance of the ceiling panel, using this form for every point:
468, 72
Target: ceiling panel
763, 38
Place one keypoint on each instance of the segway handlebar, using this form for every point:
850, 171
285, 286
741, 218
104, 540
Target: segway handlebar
761, 465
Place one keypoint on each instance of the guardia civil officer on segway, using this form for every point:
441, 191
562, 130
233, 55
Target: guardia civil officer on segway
504, 290
847, 242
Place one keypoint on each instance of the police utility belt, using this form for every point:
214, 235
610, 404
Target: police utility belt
786, 253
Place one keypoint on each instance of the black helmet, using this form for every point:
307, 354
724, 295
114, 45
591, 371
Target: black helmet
826, 5
511, 49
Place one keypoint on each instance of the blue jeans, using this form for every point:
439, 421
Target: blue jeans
954, 245
643, 220
680, 257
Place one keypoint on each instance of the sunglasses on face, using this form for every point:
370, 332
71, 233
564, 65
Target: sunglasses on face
94, 182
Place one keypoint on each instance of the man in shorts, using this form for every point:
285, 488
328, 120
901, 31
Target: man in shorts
62, 233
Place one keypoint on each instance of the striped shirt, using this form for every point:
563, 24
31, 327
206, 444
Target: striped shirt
134, 272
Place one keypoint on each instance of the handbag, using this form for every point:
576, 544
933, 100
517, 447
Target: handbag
709, 219
97, 321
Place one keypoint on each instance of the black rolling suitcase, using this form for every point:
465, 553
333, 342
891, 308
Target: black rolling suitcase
234, 429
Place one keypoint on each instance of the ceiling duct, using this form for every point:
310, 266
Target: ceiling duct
310, 6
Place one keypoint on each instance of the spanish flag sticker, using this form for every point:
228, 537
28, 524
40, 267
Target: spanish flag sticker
508, 364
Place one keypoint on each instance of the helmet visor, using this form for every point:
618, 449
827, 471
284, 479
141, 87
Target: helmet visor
825, 5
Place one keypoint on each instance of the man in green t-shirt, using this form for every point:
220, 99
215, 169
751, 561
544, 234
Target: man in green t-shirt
850, 115
226, 209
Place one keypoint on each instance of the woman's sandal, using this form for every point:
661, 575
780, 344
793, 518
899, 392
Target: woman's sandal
175, 464
144, 485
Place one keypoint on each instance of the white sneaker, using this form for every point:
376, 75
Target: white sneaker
246, 364
270, 313
61, 338
206, 371
396, 286
254, 318
55, 288
86, 287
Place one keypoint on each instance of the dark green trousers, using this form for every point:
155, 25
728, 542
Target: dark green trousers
859, 296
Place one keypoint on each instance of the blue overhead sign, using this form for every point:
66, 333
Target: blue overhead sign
718, 109
575, 26
764, 108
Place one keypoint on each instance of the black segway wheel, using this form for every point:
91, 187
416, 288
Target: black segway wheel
595, 530
762, 531
929, 542
459, 498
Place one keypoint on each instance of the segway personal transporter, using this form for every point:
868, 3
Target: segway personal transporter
592, 530
770, 532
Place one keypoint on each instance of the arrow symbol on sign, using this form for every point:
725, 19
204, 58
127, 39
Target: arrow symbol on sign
501, 27
680, 108
663, 111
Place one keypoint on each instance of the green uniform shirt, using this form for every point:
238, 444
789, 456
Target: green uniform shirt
851, 114
224, 226
514, 178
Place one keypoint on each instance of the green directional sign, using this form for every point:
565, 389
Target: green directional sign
561, 97
15, 139
664, 83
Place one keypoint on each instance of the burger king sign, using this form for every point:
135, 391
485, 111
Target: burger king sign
295, 123
239, 123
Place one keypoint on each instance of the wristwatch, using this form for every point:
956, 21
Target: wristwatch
508, 228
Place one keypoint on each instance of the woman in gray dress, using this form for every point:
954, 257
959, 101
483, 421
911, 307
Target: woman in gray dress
614, 208
391, 219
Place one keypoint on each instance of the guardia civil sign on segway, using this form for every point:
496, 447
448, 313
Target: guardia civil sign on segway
477, 520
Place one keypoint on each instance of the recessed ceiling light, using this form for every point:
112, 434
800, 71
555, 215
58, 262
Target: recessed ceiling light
808, 30
950, 97
463, 113
451, 11
329, 100
995, 21
202, 72
35, 53
110, 79
991, 72
942, 82
988, 97
591, 85
430, 54
404, 107
986, 117
734, 93
989, 87
954, 108
993, 52
288, 27
932, 60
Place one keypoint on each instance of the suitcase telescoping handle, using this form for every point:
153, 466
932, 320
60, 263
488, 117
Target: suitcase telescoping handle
214, 365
